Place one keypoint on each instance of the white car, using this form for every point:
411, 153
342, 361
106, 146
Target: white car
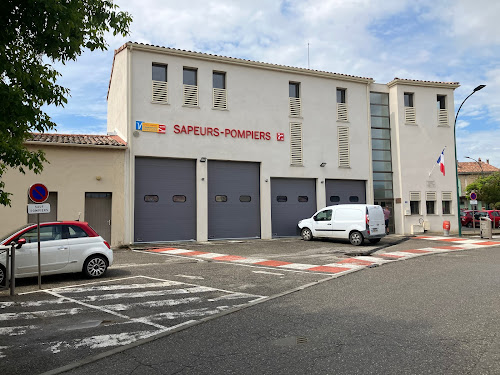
65, 247
354, 222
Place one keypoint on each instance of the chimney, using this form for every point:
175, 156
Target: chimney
487, 161
479, 160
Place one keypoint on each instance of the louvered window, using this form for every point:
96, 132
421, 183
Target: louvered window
341, 105
430, 195
446, 201
190, 89
442, 111
410, 114
294, 102
159, 84
343, 146
219, 93
430, 204
415, 202
296, 143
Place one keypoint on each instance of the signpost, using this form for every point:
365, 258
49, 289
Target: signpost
38, 193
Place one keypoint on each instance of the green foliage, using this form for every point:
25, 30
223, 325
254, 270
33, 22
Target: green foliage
33, 33
487, 189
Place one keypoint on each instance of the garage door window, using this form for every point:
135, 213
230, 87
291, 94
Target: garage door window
281, 198
303, 198
354, 199
151, 198
221, 198
179, 198
245, 198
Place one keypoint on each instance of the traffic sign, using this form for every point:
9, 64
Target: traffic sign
38, 193
43, 208
473, 196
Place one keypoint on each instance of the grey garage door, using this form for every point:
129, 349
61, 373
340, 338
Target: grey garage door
292, 199
345, 192
165, 199
233, 200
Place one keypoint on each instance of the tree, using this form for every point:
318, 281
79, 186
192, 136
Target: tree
487, 189
33, 34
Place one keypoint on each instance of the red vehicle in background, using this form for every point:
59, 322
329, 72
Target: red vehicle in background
466, 218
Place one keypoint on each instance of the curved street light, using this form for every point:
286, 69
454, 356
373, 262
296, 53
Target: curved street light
480, 87
478, 163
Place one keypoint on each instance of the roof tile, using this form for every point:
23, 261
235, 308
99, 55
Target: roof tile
473, 167
78, 139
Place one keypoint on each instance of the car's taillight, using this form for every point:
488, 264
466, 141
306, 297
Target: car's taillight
367, 219
107, 244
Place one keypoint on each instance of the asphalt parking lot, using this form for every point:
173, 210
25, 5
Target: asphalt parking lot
152, 291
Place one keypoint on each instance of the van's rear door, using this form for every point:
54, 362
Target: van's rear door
376, 219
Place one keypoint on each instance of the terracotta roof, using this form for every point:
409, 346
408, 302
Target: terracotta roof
473, 167
78, 139
422, 83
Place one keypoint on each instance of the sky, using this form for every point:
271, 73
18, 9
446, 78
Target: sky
435, 40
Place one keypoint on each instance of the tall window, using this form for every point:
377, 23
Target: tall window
441, 101
219, 92
295, 105
415, 202
446, 202
430, 202
341, 105
190, 80
381, 145
442, 111
410, 115
159, 84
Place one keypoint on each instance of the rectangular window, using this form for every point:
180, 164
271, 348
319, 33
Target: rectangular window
442, 111
430, 202
341, 105
190, 80
159, 84
415, 202
159, 72
446, 202
410, 115
295, 104
219, 92
294, 90
190, 76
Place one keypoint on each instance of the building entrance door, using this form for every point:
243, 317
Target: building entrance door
98, 213
389, 203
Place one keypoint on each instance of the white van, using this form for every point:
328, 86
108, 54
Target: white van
348, 221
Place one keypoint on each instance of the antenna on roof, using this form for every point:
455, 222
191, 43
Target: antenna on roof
308, 66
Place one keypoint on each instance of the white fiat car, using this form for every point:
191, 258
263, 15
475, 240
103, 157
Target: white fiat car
65, 247
354, 222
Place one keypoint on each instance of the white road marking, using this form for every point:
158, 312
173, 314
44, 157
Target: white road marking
1, 351
297, 266
15, 331
120, 287
161, 303
172, 255
345, 265
191, 277
269, 273
209, 255
188, 313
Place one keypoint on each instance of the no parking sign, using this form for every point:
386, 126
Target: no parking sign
38, 193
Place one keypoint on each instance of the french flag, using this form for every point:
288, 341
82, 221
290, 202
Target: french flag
440, 161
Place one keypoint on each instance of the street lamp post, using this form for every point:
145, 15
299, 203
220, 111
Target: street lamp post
478, 163
480, 87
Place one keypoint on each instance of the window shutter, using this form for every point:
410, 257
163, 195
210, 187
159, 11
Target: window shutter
410, 115
414, 195
443, 117
446, 195
295, 105
160, 92
296, 143
220, 98
190, 95
343, 146
342, 111
430, 196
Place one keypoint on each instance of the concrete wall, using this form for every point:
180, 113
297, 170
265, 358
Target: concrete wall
71, 173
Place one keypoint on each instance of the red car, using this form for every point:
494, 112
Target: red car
466, 218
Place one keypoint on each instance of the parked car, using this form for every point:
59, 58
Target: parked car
466, 219
354, 222
65, 247
494, 215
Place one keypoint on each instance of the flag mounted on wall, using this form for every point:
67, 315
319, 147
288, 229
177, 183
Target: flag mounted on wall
440, 161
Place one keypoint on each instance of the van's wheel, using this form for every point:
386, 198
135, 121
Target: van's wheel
374, 240
95, 266
306, 234
356, 238
2, 275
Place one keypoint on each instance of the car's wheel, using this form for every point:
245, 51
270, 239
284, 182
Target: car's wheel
356, 238
469, 224
95, 266
2, 275
374, 240
306, 234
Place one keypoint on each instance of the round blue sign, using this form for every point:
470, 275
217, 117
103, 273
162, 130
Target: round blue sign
38, 193
473, 196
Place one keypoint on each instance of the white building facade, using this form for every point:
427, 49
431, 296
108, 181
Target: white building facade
224, 148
